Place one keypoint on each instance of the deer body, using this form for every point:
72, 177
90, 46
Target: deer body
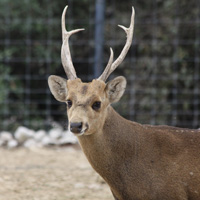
139, 162
146, 163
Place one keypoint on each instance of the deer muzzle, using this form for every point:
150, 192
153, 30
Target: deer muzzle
76, 127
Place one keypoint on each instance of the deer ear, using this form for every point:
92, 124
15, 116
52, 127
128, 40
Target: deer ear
58, 87
115, 89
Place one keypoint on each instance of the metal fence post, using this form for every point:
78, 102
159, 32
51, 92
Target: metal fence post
99, 37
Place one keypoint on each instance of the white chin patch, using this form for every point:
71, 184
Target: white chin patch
82, 132
79, 134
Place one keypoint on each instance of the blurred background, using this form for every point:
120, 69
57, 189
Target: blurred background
162, 67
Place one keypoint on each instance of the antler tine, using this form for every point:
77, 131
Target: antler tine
65, 51
105, 74
112, 66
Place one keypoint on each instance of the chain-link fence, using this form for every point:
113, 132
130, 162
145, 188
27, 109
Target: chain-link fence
162, 66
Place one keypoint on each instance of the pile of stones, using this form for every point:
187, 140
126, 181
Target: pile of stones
24, 137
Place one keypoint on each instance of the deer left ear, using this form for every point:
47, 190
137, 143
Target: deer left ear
115, 88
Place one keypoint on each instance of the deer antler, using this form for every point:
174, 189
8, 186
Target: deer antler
111, 66
65, 51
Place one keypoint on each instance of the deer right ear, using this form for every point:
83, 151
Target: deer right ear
58, 87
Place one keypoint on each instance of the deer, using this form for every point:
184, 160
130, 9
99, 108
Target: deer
137, 161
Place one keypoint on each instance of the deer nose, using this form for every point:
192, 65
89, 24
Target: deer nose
76, 127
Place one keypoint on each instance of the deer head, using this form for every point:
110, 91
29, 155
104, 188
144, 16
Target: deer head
87, 103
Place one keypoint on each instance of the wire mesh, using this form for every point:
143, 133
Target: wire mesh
162, 66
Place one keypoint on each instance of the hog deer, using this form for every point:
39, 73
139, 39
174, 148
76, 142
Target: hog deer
138, 162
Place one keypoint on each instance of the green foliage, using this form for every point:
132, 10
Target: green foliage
4, 85
166, 62
161, 67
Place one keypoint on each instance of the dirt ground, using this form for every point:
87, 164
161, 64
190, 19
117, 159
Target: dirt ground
49, 174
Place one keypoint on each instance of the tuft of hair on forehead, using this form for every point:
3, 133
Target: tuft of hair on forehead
94, 87
84, 89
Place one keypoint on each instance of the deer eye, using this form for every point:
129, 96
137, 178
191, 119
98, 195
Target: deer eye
96, 105
69, 103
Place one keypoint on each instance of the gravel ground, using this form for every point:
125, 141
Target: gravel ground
49, 174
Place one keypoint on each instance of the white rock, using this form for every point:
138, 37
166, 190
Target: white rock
5, 137
1, 143
12, 144
31, 143
46, 141
55, 133
67, 138
22, 134
39, 135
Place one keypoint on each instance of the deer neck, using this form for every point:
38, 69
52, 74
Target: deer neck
105, 148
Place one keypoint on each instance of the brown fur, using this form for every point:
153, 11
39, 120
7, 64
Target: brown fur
139, 162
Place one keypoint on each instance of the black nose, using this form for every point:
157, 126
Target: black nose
76, 127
